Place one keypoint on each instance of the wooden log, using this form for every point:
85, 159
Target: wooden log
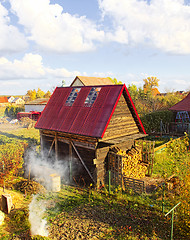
82, 162
56, 148
51, 147
119, 134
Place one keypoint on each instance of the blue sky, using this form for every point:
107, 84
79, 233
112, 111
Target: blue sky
46, 41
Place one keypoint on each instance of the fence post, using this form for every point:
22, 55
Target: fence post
172, 220
109, 181
163, 195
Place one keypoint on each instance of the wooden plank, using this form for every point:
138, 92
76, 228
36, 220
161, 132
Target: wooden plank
68, 136
82, 162
120, 134
56, 148
51, 147
119, 127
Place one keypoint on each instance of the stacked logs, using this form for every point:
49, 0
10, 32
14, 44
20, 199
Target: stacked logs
133, 167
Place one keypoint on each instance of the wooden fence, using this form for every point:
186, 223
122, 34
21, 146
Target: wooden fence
115, 166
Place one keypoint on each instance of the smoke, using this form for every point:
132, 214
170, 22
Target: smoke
36, 217
45, 170
49, 173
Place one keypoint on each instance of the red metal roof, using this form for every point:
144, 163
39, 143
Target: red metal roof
183, 105
3, 100
80, 118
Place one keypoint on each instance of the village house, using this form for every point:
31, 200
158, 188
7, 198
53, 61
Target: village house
18, 101
3, 101
81, 124
181, 116
10, 99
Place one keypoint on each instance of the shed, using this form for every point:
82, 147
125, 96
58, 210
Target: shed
79, 125
181, 112
37, 105
183, 105
89, 81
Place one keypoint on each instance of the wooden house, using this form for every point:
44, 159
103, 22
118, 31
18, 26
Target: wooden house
90, 81
81, 124
181, 113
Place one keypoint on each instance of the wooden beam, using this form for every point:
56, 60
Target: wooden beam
70, 161
56, 148
51, 147
82, 162
42, 144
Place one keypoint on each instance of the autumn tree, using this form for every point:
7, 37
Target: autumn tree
31, 94
47, 94
115, 81
40, 93
150, 82
133, 91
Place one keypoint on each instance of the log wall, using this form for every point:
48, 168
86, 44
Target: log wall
122, 122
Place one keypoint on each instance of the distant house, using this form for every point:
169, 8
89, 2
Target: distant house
181, 111
37, 105
90, 81
10, 99
18, 101
3, 101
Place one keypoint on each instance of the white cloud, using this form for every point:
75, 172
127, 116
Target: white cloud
51, 29
31, 67
164, 24
11, 39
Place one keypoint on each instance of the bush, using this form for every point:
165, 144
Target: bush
11, 162
11, 111
151, 121
175, 160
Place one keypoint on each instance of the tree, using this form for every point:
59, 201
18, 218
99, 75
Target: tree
48, 94
31, 94
40, 93
150, 82
115, 81
133, 91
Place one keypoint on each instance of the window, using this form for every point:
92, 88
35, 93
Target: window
92, 96
73, 95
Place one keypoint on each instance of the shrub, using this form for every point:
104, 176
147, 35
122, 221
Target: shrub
151, 121
11, 111
11, 162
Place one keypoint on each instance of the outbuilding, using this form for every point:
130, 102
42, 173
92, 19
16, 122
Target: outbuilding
181, 112
37, 105
80, 125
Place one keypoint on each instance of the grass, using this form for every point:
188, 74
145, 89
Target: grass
158, 140
2, 110
31, 135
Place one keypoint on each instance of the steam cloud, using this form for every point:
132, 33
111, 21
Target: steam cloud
36, 217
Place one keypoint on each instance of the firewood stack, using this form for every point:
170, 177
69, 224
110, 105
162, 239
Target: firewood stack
132, 163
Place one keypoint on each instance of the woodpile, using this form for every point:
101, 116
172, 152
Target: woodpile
133, 167
29, 187
27, 122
